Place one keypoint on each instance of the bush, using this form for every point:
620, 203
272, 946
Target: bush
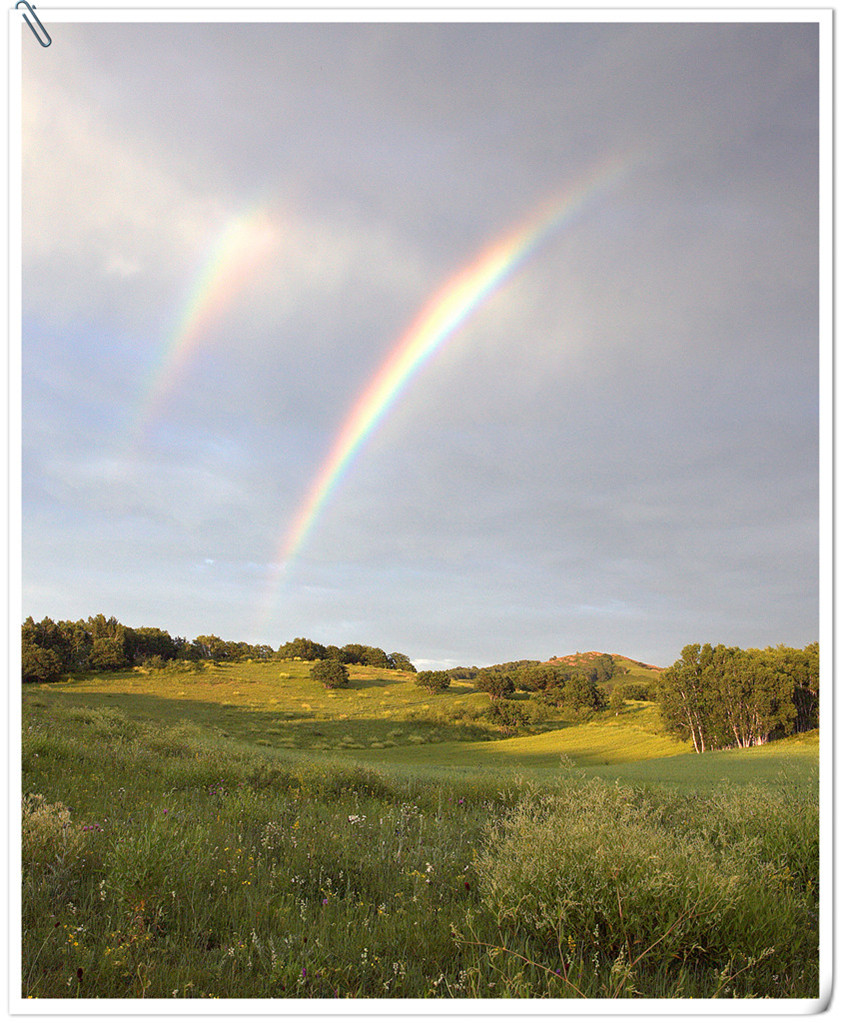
48, 837
594, 868
332, 674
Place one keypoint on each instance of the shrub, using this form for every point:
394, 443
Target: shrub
331, 674
48, 837
594, 867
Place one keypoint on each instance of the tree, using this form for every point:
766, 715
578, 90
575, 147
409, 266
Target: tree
724, 696
39, 664
302, 649
580, 692
400, 662
375, 657
211, 648
108, 654
436, 681
496, 684
617, 699
332, 674
353, 653
684, 697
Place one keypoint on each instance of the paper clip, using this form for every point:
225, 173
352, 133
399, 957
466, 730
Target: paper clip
28, 22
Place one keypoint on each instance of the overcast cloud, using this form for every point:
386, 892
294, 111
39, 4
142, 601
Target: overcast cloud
617, 451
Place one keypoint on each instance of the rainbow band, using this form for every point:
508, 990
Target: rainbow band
224, 272
443, 314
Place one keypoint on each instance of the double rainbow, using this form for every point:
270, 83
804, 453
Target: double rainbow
437, 321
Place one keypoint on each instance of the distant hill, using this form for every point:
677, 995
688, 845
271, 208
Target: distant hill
628, 663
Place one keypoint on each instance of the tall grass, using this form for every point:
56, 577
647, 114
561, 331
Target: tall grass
159, 861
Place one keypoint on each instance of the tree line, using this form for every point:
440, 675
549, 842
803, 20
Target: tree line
305, 649
51, 650
715, 696
720, 696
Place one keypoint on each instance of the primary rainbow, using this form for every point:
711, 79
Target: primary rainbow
437, 321
224, 272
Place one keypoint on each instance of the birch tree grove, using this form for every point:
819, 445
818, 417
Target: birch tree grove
721, 697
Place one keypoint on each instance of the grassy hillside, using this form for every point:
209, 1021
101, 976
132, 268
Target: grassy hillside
184, 838
385, 720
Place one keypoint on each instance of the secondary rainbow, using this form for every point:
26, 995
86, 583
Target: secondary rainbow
437, 321
223, 274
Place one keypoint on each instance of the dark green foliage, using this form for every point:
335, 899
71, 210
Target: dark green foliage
580, 692
358, 653
496, 684
536, 677
436, 681
39, 664
108, 654
303, 649
462, 673
401, 662
332, 674
617, 699
634, 690
512, 715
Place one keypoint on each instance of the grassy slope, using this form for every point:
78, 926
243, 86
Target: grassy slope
384, 720
209, 850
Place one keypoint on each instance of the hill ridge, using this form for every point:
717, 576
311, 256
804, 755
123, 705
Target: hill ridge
590, 655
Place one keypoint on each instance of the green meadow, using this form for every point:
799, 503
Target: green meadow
238, 831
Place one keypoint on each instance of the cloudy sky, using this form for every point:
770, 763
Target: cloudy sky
228, 229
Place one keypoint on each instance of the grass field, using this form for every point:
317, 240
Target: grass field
241, 832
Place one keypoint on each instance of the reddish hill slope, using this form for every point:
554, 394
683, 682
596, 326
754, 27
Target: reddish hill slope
591, 655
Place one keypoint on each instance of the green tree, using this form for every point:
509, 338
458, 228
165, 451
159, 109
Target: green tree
39, 664
617, 699
108, 654
211, 648
401, 662
374, 657
580, 692
685, 697
436, 681
331, 674
496, 684
303, 649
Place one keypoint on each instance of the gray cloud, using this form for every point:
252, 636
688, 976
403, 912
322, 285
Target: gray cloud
618, 450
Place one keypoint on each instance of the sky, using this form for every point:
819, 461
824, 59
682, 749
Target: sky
601, 240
